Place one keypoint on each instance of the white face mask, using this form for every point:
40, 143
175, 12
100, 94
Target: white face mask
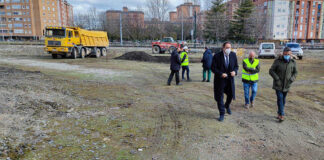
228, 51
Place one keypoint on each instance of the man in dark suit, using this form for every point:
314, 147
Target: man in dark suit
225, 68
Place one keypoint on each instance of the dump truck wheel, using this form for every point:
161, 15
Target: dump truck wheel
156, 50
74, 53
83, 53
171, 49
103, 52
97, 52
54, 56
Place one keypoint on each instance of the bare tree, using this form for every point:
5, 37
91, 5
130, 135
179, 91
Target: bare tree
158, 9
208, 4
195, 2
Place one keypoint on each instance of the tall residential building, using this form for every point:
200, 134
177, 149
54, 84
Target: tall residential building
288, 19
308, 20
135, 18
27, 19
185, 12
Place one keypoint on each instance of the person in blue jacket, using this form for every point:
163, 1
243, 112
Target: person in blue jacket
207, 62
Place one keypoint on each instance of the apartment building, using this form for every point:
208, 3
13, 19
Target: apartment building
288, 19
185, 12
308, 20
27, 19
135, 18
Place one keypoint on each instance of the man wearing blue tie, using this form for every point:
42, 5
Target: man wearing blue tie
225, 68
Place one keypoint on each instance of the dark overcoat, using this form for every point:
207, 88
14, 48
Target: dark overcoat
218, 68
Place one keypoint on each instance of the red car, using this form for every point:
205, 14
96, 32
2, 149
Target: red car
167, 44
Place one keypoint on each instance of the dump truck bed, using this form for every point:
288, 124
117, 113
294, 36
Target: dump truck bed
93, 38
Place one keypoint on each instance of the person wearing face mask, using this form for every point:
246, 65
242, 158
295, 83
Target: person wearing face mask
224, 67
250, 77
284, 73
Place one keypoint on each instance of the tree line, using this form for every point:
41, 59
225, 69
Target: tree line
247, 24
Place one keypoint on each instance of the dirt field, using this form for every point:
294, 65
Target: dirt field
117, 109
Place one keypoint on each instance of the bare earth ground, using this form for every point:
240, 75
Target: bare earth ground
114, 109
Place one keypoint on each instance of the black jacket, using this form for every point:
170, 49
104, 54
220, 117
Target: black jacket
218, 68
207, 59
175, 61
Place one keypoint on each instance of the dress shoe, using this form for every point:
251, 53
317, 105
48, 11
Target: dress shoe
228, 110
221, 118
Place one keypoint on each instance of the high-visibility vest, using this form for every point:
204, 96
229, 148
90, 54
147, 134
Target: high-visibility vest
186, 61
248, 76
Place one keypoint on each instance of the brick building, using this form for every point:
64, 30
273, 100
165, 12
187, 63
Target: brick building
135, 18
184, 12
27, 19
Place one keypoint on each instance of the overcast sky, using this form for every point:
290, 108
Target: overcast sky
103, 5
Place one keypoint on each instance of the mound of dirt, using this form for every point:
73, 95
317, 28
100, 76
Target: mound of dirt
143, 56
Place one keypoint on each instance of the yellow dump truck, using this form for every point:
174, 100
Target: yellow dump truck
75, 42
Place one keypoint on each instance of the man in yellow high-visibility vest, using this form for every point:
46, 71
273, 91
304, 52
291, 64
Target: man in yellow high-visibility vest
185, 62
250, 78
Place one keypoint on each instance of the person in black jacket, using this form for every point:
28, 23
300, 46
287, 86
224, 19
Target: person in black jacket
225, 67
207, 62
175, 65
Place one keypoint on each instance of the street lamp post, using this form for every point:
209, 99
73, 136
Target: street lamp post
1, 29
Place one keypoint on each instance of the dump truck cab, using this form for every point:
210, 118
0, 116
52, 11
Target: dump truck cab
59, 41
71, 41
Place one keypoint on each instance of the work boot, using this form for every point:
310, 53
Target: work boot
252, 105
246, 106
281, 118
221, 118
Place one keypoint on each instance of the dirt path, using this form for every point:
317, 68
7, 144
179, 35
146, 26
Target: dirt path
62, 67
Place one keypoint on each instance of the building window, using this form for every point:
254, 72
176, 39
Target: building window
302, 12
279, 9
313, 19
303, 4
313, 12
311, 34
301, 19
301, 28
16, 7
18, 31
18, 25
300, 34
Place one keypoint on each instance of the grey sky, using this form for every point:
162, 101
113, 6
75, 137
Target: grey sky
102, 5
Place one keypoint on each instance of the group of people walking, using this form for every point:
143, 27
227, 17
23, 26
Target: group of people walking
225, 67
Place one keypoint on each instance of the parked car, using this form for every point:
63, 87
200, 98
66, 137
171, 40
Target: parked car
267, 50
296, 49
